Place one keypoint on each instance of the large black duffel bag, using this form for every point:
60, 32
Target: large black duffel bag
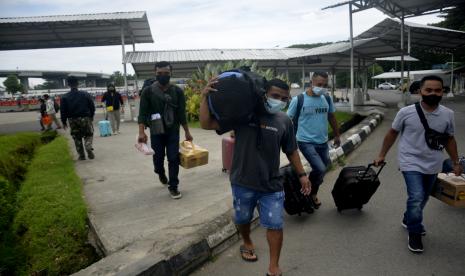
237, 98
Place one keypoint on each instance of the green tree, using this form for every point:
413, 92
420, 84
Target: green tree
453, 18
12, 84
118, 79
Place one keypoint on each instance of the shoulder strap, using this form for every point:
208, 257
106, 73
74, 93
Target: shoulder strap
328, 99
300, 103
422, 116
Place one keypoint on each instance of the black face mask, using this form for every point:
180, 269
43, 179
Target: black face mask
163, 80
431, 100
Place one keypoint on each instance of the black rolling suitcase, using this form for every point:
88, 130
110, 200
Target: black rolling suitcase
294, 201
355, 186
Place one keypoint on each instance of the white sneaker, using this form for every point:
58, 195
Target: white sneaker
114, 133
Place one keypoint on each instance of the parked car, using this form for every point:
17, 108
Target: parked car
386, 86
295, 85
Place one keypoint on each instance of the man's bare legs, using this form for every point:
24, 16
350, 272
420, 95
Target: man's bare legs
275, 243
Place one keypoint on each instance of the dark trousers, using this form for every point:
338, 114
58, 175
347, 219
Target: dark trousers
166, 144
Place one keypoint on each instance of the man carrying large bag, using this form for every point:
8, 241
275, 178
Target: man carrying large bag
255, 177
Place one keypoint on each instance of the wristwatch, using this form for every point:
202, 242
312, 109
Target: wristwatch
302, 174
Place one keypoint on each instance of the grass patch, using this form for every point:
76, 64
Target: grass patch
341, 117
16, 151
51, 220
193, 124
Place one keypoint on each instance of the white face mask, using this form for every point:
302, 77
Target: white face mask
318, 91
274, 106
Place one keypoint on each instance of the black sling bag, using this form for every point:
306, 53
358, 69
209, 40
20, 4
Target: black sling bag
434, 139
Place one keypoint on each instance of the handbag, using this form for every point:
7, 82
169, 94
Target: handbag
47, 120
434, 139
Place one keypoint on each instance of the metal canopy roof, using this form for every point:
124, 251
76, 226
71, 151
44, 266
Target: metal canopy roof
429, 37
398, 58
53, 74
329, 57
80, 30
399, 8
185, 62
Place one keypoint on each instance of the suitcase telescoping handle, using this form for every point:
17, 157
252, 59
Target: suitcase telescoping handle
372, 164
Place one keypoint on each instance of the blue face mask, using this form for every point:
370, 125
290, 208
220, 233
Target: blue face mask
318, 91
274, 106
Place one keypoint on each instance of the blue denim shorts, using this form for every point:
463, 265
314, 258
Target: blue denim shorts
270, 206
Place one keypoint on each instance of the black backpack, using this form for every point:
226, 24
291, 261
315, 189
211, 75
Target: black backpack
294, 201
238, 97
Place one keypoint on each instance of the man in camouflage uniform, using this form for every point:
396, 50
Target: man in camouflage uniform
78, 108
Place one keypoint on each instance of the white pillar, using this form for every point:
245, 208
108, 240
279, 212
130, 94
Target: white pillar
402, 23
128, 112
351, 59
452, 76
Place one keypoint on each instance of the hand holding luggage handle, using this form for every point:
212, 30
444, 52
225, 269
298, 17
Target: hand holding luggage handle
368, 168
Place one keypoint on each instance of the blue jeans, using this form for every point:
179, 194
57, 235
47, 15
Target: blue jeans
419, 186
270, 206
168, 143
318, 157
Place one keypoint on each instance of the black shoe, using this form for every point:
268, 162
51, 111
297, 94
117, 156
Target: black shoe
175, 194
90, 154
404, 224
82, 157
163, 178
414, 243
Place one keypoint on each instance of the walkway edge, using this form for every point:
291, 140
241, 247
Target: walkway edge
356, 135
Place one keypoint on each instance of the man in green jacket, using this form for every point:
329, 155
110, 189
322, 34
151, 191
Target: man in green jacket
163, 110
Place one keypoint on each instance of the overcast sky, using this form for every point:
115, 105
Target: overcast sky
193, 24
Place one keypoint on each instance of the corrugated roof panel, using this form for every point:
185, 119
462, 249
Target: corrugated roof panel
74, 17
39, 32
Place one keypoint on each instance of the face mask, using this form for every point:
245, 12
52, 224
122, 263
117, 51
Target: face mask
318, 91
274, 106
163, 80
431, 100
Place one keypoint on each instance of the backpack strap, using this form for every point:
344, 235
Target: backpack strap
328, 99
422, 116
300, 103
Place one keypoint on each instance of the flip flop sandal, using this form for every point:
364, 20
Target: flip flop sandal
250, 252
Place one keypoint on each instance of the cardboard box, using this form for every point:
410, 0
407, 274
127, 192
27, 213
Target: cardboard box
450, 189
192, 155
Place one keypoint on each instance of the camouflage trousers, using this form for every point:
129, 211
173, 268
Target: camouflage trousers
82, 129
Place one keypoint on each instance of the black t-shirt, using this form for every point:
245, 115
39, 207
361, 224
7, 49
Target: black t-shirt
256, 168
